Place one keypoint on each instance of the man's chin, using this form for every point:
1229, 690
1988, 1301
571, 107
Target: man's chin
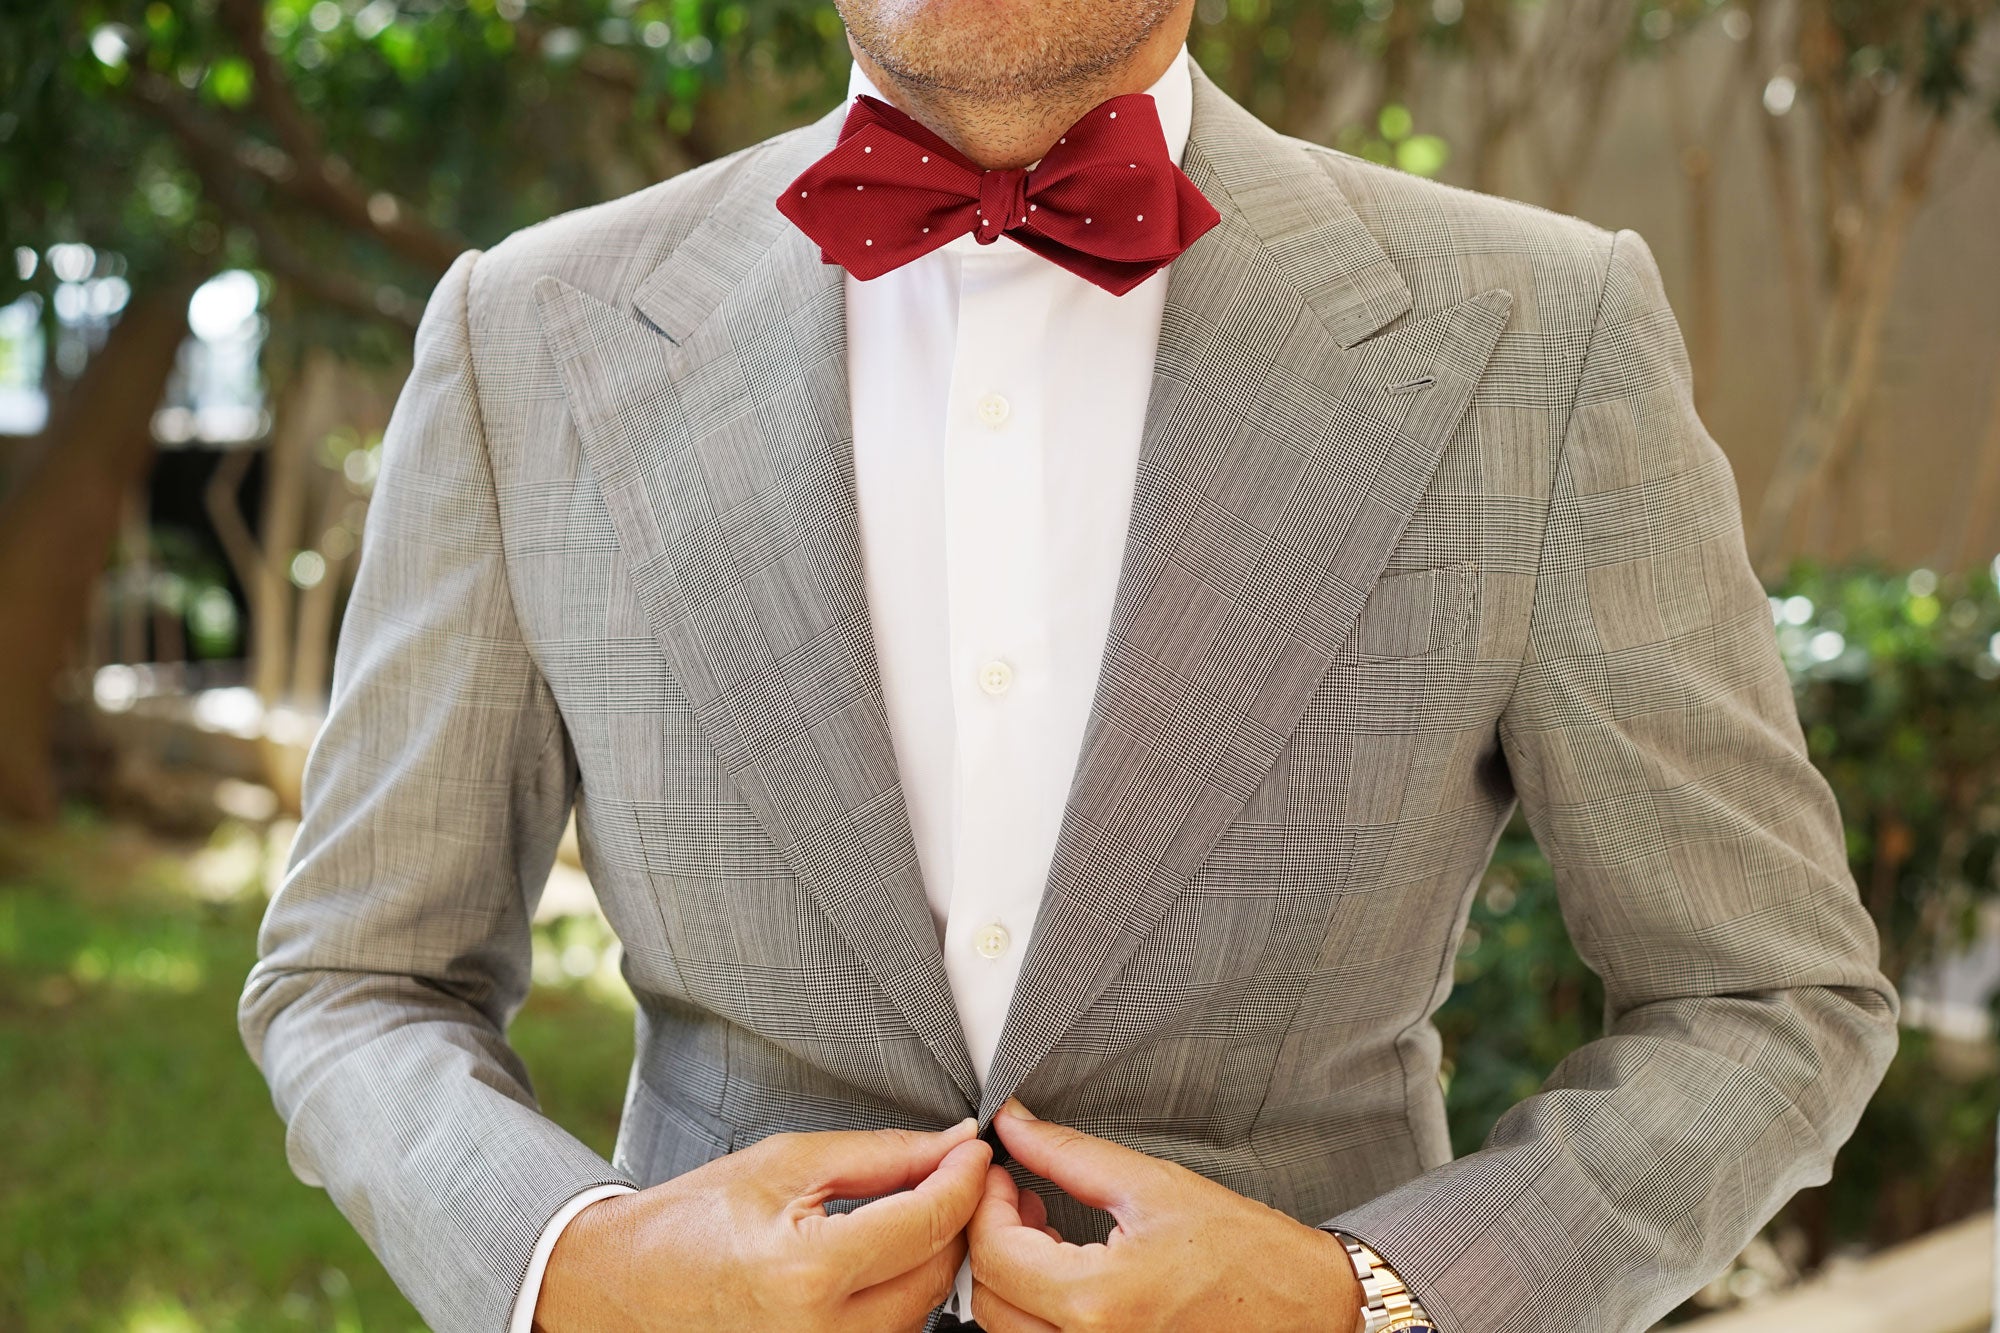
984, 49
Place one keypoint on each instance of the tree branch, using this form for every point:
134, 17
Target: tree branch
324, 181
619, 74
219, 166
1788, 212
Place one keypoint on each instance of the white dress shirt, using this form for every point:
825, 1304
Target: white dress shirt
998, 402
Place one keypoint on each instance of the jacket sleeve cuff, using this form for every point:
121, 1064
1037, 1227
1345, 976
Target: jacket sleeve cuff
1339, 1226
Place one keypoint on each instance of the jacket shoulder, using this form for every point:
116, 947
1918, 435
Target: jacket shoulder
1451, 243
608, 248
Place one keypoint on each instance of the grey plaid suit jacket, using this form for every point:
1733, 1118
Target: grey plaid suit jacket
1425, 523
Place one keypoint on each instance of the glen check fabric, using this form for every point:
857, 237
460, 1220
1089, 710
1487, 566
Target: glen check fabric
1424, 524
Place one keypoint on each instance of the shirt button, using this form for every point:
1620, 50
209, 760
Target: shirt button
995, 677
992, 940
992, 409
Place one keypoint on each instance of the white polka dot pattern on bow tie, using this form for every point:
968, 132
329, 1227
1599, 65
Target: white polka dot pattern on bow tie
907, 196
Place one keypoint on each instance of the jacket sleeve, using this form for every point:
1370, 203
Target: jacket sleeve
1655, 747
396, 950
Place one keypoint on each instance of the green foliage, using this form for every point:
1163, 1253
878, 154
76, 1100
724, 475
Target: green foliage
146, 1185
1521, 999
354, 147
1922, 1155
1895, 679
181, 578
1393, 142
1882, 43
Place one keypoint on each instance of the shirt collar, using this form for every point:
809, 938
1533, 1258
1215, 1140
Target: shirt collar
1173, 98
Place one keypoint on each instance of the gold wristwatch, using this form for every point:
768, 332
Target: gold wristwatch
1386, 1304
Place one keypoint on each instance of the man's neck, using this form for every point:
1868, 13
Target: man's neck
1018, 131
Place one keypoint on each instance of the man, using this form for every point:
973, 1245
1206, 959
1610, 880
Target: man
1031, 667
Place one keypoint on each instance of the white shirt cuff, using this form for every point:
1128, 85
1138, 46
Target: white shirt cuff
531, 1289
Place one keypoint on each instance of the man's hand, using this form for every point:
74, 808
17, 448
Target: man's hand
745, 1243
1187, 1253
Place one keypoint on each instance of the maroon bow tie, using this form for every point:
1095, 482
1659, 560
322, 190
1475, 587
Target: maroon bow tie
1106, 202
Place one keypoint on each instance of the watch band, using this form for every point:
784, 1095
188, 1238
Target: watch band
1386, 1304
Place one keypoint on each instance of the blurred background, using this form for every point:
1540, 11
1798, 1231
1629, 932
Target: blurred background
219, 222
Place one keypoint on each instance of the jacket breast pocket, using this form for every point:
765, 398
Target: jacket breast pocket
1414, 613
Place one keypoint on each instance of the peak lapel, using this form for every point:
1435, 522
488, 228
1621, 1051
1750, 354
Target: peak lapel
1278, 467
724, 452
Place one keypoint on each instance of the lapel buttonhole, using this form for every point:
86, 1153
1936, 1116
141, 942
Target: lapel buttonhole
647, 320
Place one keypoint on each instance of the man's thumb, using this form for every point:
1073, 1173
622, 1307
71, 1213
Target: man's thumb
1092, 1170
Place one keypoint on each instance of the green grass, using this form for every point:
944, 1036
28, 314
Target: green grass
143, 1183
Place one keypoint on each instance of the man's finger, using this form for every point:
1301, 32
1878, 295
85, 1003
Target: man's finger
995, 1314
1000, 1187
889, 1236
1093, 1171
1027, 1267
862, 1163
1027, 1204
904, 1300
1035, 1213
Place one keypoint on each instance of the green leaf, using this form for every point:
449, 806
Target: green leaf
1422, 154
229, 81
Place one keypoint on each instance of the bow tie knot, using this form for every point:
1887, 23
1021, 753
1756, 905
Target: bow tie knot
1003, 202
1107, 201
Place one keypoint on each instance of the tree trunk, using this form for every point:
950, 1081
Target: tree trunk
308, 407
1848, 367
57, 526
1978, 539
312, 654
132, 576
1787, 214
1697, 168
